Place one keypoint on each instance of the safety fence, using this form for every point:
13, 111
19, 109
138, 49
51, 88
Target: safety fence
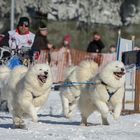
63, 58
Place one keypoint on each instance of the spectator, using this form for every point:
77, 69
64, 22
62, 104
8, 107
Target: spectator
136, 48
96, 45
64, 57
66, 41
66, 50
41, 42
19, 38
112, 49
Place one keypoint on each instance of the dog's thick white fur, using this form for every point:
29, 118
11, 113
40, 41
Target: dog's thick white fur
9, 88
70, 94
4, 75
28, 90
109, 88
4, 72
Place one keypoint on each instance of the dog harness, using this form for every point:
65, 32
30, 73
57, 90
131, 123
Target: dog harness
33, 96
109, 93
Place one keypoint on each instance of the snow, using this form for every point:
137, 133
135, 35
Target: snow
53, 126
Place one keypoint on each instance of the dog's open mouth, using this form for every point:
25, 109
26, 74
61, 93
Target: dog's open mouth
119, 74
42, 78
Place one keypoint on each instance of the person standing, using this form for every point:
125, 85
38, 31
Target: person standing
41, 42
112, 49
96, 45
65, 49
64, 56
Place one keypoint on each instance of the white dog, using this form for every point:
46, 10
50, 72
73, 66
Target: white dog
70, 94
109, 88
28, 89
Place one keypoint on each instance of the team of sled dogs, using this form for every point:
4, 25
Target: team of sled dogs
27, 89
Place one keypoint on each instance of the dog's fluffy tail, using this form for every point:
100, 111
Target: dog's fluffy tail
86, 70
68, 72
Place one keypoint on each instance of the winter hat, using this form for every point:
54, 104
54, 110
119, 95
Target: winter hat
42, 26
24, 21
67, 37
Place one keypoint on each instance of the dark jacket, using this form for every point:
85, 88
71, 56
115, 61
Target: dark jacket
95, 45
40, 43
5, 41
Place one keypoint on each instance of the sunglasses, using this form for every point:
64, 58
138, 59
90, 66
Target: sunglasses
26, 24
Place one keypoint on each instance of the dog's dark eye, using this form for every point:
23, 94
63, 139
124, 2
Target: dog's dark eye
40, 69
116, 66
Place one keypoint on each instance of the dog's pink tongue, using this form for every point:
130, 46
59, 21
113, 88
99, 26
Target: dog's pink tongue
119, 74
42, 78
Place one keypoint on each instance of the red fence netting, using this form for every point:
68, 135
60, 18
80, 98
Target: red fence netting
63, 58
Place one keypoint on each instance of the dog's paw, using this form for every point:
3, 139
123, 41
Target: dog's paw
18, 123
35, 119
105, 122
116, 117
20, 126
68, 116
83, 124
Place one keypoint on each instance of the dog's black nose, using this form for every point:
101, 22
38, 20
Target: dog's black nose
122, 69
45, 72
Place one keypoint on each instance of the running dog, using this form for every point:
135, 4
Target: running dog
109, 89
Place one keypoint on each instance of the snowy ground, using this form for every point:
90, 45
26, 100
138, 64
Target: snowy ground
52, 126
